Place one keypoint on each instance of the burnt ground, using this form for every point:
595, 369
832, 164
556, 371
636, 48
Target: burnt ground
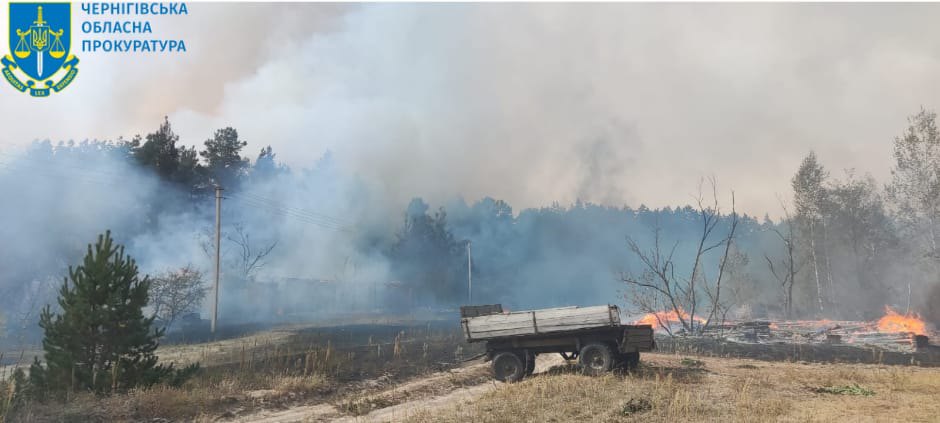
791, 351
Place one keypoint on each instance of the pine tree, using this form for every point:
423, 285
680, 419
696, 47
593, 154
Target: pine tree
223, 158
427, 255
100, 340
266, 165
159, 151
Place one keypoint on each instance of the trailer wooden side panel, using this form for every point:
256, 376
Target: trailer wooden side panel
534, 322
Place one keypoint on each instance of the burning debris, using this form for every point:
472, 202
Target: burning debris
892, 322
893, 331
666, 320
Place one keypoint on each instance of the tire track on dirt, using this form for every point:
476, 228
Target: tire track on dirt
436, 391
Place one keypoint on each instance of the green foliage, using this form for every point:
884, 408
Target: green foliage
844, 242
693, 363
159, 152
223, 158
915, 180
426, 255
635, 406
266, 165
180, 376
100, 340
223, 164
808, 188
853, 389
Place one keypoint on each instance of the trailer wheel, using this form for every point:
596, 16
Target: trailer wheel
508, 367
529, 363
596, 358
630, 360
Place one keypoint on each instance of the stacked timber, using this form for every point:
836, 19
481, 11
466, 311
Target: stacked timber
534, 322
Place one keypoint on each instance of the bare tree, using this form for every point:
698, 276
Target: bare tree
659, 284
719, 309
175, 293
656, 288
786, 268
251, 258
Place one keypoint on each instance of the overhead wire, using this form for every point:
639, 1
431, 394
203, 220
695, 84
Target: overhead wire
287, 213
312, 215
308, 212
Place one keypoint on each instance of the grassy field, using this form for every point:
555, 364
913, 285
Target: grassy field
272, 369
406, 373
671, 388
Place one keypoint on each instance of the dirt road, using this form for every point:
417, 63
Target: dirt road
439, 390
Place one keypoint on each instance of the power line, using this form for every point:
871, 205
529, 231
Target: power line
299, 210
310, 215
289, 214
283, 213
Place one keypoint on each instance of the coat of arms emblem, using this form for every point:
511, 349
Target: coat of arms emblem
40, 38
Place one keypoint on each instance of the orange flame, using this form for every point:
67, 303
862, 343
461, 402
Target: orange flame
660, 318
892, 322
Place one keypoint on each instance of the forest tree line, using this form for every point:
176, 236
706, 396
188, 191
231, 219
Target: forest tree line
843, 245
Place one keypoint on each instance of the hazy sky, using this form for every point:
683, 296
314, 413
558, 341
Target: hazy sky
612, 103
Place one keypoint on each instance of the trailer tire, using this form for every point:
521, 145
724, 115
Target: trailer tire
529, 363
508, 367
596, 358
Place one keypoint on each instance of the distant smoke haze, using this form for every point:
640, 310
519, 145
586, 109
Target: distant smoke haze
613, 103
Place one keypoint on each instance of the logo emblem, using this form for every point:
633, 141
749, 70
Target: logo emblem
40, 38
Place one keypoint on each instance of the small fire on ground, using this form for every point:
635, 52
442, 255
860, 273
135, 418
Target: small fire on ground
670, 318
892, 322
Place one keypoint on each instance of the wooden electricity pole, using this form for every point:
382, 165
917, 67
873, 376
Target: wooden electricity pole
218, 254
469, 277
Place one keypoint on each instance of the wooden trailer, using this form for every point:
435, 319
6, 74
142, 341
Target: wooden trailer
592, 335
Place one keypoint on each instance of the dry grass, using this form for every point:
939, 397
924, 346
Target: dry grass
271, 370
666, 389
334, 372
199, 398
296, 383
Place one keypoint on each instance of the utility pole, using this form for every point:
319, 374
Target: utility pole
218, 254
469, 277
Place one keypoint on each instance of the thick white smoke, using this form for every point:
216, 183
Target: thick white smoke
530, 103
